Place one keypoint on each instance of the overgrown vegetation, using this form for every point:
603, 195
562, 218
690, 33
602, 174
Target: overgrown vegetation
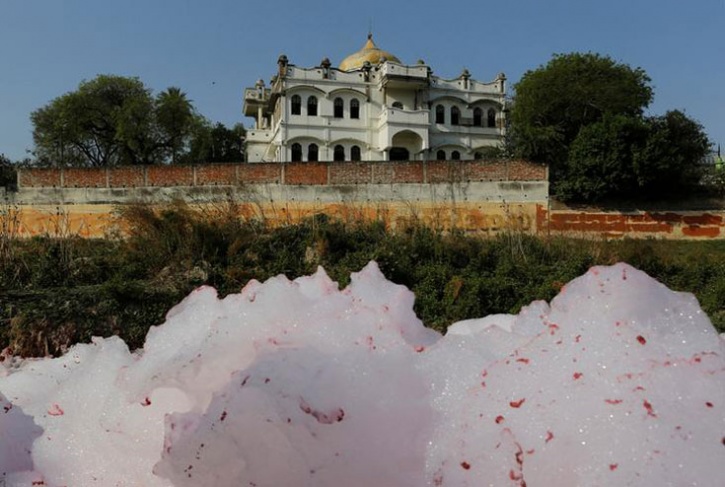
57, 290
8, 173
115, 120
583, 115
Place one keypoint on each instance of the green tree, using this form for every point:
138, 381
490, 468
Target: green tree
635, 158
176, 120
103, 123
670, 162
554, 102
8, 174
227, 144
113, 120
600, 163
216, 144
137, 133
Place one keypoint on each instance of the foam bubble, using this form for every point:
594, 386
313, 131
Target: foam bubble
618, 381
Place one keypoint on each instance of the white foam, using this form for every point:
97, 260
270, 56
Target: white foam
619, 381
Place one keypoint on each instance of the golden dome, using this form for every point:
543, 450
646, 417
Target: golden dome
370, 53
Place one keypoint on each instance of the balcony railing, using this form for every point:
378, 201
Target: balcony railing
400, 116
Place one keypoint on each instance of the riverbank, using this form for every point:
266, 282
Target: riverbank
59, 289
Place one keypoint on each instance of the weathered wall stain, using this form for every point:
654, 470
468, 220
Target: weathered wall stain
483, 197
481, 218
676, 225
103, 221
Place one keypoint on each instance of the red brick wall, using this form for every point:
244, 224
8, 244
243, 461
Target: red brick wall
39, 178
616, 224
351, 173
305, 173
270, 173
444, 171
397, 172
127, 177
216, 175
293, 173
170, 176
485, 171
526, 171
84, 178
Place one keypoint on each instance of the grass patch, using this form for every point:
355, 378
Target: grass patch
60, 290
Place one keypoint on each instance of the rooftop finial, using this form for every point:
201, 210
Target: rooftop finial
370, 29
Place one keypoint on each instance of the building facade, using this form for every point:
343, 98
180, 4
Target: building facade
372, 107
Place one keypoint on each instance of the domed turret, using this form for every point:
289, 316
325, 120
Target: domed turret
370, 53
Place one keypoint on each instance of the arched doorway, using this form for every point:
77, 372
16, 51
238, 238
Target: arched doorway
406, 146
399, 154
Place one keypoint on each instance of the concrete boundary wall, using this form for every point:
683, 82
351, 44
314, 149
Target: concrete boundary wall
479, 196
440, 193
481, 218
304, 173
475, 196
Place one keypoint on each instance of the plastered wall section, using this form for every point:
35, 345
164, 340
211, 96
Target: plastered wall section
476, 196
482, 218
100, 221
482, 207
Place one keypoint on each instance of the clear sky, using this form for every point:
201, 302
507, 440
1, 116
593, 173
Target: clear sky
213, 49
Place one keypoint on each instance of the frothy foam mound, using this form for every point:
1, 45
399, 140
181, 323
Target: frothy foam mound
619, 381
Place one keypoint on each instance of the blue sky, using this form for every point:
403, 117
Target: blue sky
213, 49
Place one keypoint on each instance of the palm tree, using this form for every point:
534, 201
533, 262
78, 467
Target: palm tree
175, 115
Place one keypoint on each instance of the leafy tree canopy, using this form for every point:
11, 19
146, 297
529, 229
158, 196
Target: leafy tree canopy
600, 159
8, 175
629, 157
554, 102
583, 114
106, 121
115, 120
217, 143
176, 120
668, 163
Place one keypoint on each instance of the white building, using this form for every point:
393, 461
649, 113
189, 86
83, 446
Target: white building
372, 107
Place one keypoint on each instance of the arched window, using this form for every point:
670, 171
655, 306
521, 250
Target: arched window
312, 106
339, 154
455, 116
397, 104
455, 155
296, 105
354, 108
296, 152
440, 114
441, 155
477, 117
491, 118
312, 152
355, 153
339, 105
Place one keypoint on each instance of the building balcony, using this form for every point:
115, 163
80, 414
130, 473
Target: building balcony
398, 116
254, 99
396, 75
466, 129
257, 94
